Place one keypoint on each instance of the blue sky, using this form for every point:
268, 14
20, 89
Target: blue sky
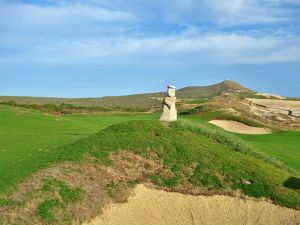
90, 48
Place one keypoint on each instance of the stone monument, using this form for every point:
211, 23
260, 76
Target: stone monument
169, 106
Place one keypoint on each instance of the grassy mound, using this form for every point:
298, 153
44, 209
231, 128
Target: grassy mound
192, 157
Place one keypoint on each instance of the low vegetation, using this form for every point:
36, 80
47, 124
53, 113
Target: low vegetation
70, 109
66, 195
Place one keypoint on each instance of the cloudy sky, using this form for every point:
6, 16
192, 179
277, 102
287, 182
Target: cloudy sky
88, 48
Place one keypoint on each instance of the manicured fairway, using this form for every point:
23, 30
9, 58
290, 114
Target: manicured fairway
26, 136
284, 146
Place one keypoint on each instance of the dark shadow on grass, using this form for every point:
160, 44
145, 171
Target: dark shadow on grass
79, 134
292, 183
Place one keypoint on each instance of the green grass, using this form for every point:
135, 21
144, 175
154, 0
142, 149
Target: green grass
7, 202
223, 160
219, 166
67, 194
195, 100
46, 209
281, 146
227, 139
219, 115
28, 137
284, 146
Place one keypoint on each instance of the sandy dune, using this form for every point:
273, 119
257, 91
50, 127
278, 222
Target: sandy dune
237, 127
155, 207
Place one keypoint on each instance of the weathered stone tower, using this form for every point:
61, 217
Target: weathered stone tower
169, 106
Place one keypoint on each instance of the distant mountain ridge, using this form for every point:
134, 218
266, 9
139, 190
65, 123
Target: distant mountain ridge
148, 100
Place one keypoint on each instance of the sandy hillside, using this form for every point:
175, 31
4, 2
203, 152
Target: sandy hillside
271, 95
155, 207
237, 127
285, 104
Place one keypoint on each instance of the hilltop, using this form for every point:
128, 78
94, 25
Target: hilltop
213, 90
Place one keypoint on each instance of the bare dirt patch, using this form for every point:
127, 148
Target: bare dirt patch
149, 206
237, 127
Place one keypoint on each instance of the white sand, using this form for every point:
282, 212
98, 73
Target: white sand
237, 127
147, 206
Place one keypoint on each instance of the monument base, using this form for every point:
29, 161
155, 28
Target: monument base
169, 115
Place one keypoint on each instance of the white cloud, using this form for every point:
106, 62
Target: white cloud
219, 48
222, 13
30, 18
115, 31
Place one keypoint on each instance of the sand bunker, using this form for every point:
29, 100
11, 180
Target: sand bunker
237, 127
155, 207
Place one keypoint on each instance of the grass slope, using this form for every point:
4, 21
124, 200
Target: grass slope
190, 156
27, 137
281, 145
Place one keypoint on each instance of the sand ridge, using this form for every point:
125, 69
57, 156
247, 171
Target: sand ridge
156, 207
237, 127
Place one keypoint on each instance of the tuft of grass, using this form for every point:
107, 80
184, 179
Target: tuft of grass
67, 193
201, 177
46, 208
7, 202
112, 189
169, 182
229, 140
133, 183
